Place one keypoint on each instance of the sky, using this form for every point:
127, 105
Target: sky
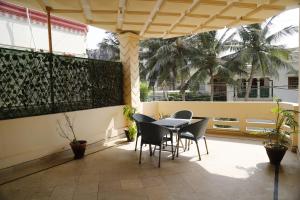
287, 18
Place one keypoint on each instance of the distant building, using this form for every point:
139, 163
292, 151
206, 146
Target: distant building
24, 28
285, 86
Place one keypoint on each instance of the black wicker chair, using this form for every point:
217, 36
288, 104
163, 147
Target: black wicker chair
183, 114
194, 132
153, 134
141, 118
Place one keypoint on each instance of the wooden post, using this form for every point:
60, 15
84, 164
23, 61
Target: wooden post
299, 87
48, 9
49, 28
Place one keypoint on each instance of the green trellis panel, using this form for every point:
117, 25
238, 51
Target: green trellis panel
34, 83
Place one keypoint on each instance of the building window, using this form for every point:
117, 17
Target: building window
293, 83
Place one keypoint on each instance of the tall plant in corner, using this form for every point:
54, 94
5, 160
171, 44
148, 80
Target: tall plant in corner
280, 137
128, 112
67, 131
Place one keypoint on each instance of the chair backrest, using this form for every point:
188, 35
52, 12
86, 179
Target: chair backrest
152, 133
183, 114
142, 118
138, 118
197, 128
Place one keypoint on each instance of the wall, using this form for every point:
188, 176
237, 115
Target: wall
29, 138
150, 109
288, 95
16, 32
250, 116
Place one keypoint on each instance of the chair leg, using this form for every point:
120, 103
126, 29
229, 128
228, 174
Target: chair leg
185, 144
178, 145
150, 149
205, 144
173, 153
181, 142
140, 153
189, 144
159, 155
136, 141
198, 149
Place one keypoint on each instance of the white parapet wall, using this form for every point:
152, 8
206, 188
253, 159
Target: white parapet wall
28, 138
240, 117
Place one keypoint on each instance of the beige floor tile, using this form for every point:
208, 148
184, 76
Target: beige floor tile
87, 188
129, 184
234, 169
85, 196
63, 192
124, 195
109, 186
152, 181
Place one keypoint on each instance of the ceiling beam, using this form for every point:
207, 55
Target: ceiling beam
133, 23
101, 23
182, 15
121, 13
154, 32
186, 25
43, 4
229, 5
86, 10
137, 13
155, 9
168, 14
104, 11
65, 11
247, 17
197, 15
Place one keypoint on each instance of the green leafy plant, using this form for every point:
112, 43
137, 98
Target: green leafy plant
132, 131
128, 112
144, 91
279, 135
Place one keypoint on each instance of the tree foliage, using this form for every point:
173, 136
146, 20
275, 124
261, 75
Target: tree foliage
108, 49
255, 48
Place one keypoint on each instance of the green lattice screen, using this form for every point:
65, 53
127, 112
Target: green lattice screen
34, 83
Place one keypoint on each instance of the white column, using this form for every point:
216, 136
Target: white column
129, 55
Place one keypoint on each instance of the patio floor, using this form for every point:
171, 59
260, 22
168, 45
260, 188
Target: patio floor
234, 169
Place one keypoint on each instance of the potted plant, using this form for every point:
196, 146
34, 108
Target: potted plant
279, 138
78, 146
130, 133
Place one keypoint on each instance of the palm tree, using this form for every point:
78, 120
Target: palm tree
108, 49
255, 48
165, 60
206, 58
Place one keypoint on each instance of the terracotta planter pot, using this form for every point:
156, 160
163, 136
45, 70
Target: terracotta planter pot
275, 152
78, 148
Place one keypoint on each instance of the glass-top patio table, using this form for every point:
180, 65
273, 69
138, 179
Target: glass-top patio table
173, 124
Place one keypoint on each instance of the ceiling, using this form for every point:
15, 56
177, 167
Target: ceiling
162, 18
